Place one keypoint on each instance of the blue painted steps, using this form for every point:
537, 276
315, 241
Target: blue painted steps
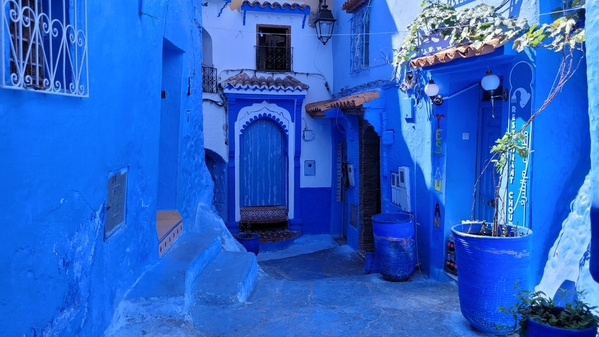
229, 279
194, 271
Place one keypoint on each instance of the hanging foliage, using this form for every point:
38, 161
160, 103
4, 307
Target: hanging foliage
479, 25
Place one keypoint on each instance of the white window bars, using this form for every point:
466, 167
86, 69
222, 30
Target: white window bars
44, 46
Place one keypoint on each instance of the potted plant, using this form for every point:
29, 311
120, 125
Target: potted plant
492, 257
248, 239
534, 314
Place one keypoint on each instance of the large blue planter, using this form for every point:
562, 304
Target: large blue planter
394, 245
488, 270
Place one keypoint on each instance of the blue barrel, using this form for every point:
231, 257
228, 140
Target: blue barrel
394, 245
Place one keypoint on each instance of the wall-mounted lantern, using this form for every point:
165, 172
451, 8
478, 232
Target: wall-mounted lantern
431, 89
490, 83
325, 22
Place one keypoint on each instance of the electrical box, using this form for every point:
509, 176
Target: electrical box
400, 188
309, 168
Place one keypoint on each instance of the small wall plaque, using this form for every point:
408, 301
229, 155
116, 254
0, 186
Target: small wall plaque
115, 202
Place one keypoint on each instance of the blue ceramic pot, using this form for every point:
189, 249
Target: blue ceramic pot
536, 329
251, 242
488, 269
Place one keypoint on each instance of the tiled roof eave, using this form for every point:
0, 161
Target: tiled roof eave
275, 7
317, 109
282, 85
351, 6
255, 89
455, 53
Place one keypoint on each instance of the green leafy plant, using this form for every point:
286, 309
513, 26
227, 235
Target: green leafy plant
567, 30
535, 305
479, 25
245, 229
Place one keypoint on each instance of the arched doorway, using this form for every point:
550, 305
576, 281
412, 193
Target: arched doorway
263, 165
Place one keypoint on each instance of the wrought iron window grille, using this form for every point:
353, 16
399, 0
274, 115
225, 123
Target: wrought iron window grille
271, 58
359, 42
209, 79
44, 46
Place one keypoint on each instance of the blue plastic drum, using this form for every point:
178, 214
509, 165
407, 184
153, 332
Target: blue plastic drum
394, 245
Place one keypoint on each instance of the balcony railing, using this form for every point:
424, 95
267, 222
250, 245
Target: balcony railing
209, 79
274, 58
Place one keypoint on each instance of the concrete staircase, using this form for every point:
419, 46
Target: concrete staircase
195, 271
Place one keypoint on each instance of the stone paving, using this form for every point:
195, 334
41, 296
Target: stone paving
317, 288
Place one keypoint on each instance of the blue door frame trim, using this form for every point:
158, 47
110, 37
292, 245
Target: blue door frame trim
293, 104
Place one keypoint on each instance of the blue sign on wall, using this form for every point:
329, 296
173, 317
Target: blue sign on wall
518, 174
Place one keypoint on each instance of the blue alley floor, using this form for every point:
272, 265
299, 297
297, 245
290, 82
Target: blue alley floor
318, 288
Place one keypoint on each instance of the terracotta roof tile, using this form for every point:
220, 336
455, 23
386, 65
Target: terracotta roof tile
454, 53
244, 82
316, 109
351, 6
283, 5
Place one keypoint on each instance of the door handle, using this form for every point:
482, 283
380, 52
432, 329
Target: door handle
491, 203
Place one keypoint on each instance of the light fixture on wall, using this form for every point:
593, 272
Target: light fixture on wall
431, 89
324, 22
490, 83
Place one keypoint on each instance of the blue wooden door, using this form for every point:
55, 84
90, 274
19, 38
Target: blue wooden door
490, 131
263, 165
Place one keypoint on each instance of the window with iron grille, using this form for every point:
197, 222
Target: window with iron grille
360, 26
273, 48
44, 46
208, 79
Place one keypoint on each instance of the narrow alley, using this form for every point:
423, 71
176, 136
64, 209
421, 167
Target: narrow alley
319, 288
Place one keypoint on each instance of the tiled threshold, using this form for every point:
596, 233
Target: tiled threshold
169, 226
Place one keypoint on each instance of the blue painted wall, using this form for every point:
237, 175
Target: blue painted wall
316, 210
592, 44
557, 134
561, 157
59, 277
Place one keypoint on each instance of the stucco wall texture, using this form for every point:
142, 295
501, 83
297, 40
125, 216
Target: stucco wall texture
60, 277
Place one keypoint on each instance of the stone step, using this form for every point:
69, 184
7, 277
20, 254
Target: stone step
162, 297
174, 274
229, 279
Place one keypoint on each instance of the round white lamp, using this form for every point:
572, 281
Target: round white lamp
490, 82
431, 88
